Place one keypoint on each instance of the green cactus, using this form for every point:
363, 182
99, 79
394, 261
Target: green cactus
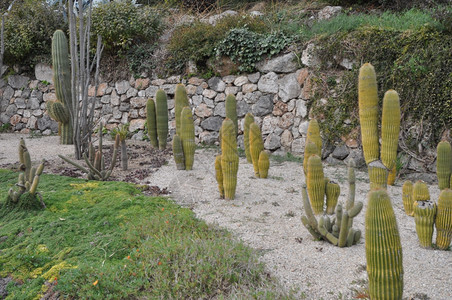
313, 135
26, 196
161, 117
420, 191
392, 176
332, 192
310, 149
187, 135
264, 164
407, 197
180, 101
256, 146
219, 175
444, 220
249, 118
231, 110
383, 248
368, 112
390, 128
229, 158
424, 217
378, 175
151, 123
178, 152
316, 183
444, 164
62, 110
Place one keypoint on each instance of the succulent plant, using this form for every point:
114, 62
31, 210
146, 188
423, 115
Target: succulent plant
187, 135
256, 146
219, 175
444, 219
407, 197
249, 118
424, 217
332, 191
313, 135
229, 158
180, 101
444, 164
231, 110
178, 152
151, 123
310, 149
316, 184
264, 164
161, 117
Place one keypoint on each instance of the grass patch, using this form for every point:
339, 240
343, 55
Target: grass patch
288, 157
103, 240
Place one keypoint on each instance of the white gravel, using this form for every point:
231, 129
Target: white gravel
266, 216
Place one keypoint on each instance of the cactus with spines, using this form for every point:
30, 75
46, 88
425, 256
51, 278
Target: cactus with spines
231, 110
187, 135
407, 197
420, 191
161, 117
392, 176
178, 152
337, 230
229, 158
151, 123
383, 248
332, 191
256, 146
443, 221
378, 159
62, 110
310, 149
316, 184
95, 160
313, 135
424, 217
219, 175
180, 101
444, 164
264, 164
249, 118
26, 196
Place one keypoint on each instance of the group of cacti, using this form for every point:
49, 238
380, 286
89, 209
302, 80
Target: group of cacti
26, 196
254, 147
338, 230
157, 119
184, 140
95, 160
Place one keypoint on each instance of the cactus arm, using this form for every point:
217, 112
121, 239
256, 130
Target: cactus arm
161, 117
307, 207
313, 135
115, 152
219, 175
343, 231
151, 123
249, 118
327, 235
231, 110
73, 163
180, 101
355, 210
407, 197
308, 226
390, 128
309, 150
34, 185
92, 167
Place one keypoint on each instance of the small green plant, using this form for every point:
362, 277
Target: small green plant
123, 132
6, 127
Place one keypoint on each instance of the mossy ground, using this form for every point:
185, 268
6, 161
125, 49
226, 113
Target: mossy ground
103, 240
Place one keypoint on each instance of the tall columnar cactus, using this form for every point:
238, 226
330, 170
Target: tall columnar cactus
62, 110
151, 123
424, 217
187, 135
313, 135
310, 149
444, 219
316, 184
180, 101
332, 191
264, 164
249, 118
229, 158
444, 164
383, 248
256, 146
161, 113
407, 197
26, 196
231, 110
219, 175
178, 152
390, 128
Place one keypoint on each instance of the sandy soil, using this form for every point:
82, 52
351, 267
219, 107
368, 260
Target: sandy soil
266, 216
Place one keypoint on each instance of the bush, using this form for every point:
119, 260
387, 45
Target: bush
122, 25
29, 27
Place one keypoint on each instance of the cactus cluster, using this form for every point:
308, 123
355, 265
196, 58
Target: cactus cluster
62, 110
26, 196
380, 160
95, 160
338, 230
259, 157
157, 119
227, 164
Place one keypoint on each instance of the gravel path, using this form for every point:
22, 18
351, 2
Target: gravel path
266, 216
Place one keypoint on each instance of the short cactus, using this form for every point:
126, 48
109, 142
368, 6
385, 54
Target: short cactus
229, 158
420, 191
161, 117
264, 164
151, 123
444, 220
256, 146
383, 248
332, 191
231, 110
178, 152
424, 217
444, 164
249, 118
180, 101
219, 175
407, 197
316, 184
187, 135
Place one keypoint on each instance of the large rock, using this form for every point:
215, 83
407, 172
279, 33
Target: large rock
329, 11
286, 139
285, 63
138, 102
289, 88
272, 142
203, 111
252, 98
47, 123
136, 124
269, 123
242, 108
340, 152
44, 72
33, 103
302, 110
208, 137
309, 57
8, 93
220, 110
268, 83
263, 106
18, 81
212, 123
298, 145
216, 84
122, 87
286, 120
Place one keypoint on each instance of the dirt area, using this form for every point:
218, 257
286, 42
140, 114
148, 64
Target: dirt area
266, 216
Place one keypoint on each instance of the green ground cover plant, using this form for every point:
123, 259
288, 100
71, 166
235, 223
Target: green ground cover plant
104, 240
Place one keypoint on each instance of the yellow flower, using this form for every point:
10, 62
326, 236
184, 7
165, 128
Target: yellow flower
95, 282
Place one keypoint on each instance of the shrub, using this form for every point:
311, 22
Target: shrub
28, 30
122, 25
